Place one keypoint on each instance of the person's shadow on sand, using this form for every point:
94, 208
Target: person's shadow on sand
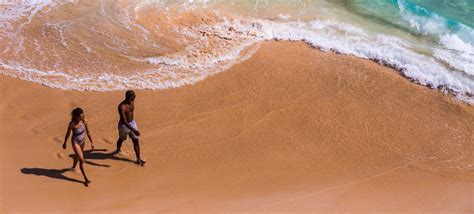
98, 154
52, 173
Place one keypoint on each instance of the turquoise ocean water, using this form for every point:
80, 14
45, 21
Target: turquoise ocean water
421, 17
429, 41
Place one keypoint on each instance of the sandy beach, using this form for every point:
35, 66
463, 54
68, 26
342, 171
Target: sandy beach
291, 129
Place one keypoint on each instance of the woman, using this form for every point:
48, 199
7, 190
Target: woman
78, 126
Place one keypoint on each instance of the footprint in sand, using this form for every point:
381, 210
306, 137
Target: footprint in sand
74, 171
124, 153
74, 104
57, 140
61, 155
36, 130
107, 140
27, 116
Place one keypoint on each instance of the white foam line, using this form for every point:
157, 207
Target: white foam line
236, 34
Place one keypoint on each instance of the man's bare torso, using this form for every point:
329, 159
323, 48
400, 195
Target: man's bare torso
127, 109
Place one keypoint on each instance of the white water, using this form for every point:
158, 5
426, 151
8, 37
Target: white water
211, 45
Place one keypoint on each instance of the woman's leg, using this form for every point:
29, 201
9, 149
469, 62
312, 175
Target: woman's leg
78, 151
82, 147
76, 159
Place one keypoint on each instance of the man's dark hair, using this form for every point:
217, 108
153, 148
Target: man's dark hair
129, 94
77, 112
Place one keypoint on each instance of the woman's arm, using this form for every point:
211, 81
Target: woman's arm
88, 134
68, 132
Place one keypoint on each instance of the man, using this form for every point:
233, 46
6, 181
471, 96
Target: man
128, 126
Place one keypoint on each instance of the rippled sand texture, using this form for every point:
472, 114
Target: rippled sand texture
318, 132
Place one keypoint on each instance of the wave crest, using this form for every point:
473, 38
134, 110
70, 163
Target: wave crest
102, 45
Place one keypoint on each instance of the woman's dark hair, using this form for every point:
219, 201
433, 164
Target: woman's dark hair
77, 112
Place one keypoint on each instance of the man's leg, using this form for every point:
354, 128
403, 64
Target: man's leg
136, 147
119, 145
122, 137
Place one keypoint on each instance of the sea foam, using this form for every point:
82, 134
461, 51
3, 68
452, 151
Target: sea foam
216, 40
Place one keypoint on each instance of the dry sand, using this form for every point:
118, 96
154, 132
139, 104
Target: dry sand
291, 129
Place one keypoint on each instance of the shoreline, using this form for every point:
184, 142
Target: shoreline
465, 98
316, 131
400, 71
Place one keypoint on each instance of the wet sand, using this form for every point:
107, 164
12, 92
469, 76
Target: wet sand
291, 129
